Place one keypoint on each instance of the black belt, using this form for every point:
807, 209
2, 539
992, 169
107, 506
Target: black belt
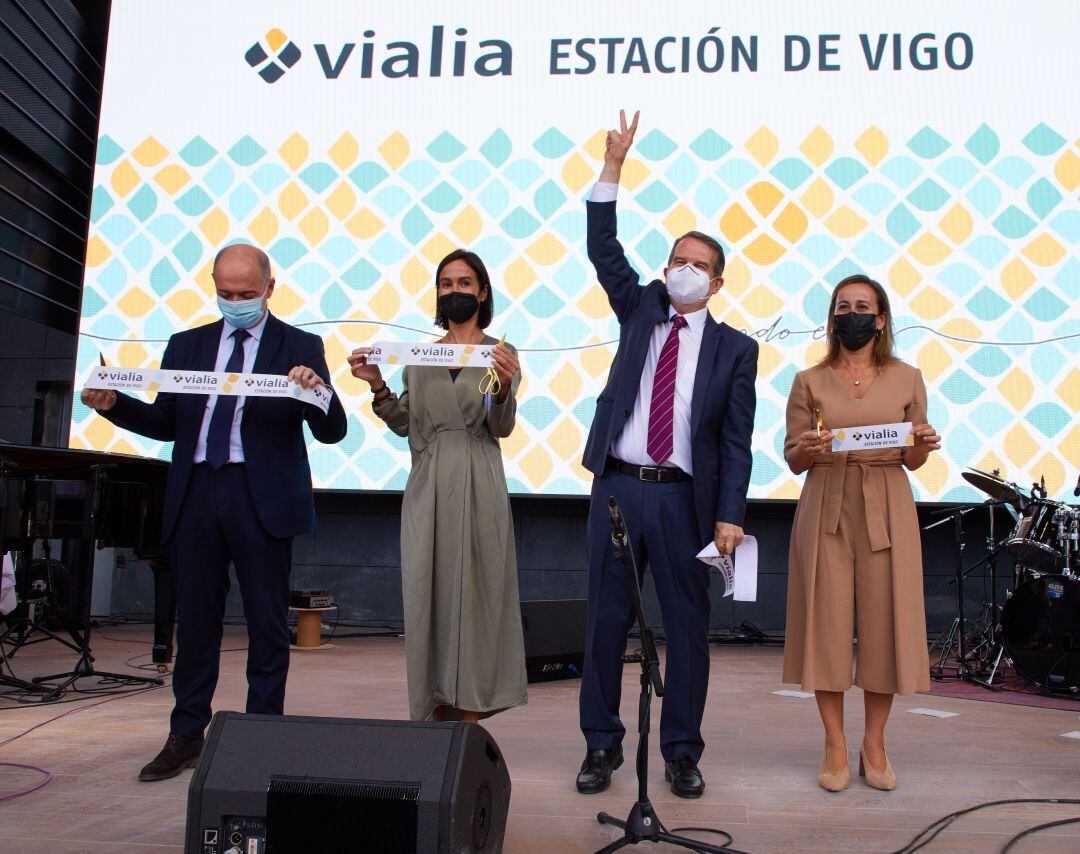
649, 474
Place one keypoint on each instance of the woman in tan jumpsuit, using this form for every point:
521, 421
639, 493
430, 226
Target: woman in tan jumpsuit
855, 551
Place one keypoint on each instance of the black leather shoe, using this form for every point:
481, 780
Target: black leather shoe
595, 773
685, 778
177, 754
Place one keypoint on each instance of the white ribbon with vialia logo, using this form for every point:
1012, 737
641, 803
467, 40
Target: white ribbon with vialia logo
436, 355
207, 382
872, 437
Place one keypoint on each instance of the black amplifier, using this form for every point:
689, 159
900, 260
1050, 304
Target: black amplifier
310, 599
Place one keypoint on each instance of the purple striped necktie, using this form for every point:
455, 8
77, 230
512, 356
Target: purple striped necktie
661, 440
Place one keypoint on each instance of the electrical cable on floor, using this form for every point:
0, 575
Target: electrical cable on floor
683, 830
11, 796
1036, 829
936, 827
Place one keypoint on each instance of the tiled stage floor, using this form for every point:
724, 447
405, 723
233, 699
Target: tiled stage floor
760, 762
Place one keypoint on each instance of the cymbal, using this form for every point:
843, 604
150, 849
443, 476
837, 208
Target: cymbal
994, 486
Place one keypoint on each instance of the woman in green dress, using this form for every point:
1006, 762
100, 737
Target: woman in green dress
463, 643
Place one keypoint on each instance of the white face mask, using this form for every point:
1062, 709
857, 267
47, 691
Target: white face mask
687, 284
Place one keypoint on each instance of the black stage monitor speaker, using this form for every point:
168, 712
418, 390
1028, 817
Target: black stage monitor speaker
554, 638
268, 784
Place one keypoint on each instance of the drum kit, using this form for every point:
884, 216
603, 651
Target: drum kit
1037, 629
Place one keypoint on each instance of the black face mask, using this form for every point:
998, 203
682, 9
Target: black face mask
458, 307
854, 330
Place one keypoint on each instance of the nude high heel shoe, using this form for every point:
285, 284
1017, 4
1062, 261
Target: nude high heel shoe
828, 780
883, 780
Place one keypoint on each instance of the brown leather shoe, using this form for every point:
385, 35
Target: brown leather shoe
177, 754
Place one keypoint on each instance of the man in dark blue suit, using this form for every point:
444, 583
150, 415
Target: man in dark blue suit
670, 441
238, 490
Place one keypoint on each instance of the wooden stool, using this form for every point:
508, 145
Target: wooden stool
309, 628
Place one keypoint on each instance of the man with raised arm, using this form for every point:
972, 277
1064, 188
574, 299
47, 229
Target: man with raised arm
670, 441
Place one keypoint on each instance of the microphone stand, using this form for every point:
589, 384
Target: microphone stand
643, 824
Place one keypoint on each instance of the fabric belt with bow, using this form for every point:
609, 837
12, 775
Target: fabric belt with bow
873, 487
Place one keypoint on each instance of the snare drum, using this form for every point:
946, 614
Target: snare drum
1034, 542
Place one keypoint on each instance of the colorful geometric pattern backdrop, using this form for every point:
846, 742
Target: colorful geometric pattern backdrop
975, 237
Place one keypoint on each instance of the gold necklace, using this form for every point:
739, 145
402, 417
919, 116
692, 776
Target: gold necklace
855, 380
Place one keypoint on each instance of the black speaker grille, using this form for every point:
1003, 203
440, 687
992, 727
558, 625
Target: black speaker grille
305, 814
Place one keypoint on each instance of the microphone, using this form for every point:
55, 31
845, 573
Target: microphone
618, 533
1076, 490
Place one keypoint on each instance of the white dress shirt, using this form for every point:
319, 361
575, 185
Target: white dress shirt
225, 348
630, 445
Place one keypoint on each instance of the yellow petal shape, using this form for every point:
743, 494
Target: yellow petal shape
933, 360
467, 225
930, 250
136, 302
844, 222
576, 173
763, 250
1069, 390
264, 227
818, 146
597, 360
364, 224
519, 277
437, 248
1067, 170
314, 226
594, 303
386, 303
565, 439
1020, 447
124, 178
904, 277
395, 149
341, 201
275, 38
818, 198
736, 278
736, 223
763, 145
957, 224
1016, 278
873, 145
1017, 388
765, 197
761, 302
415, 276
1044, 251
344, 151
97, 253
150, 152
172, 178
294, 151
792, 223
536, 466
596, 145
634, 172
930, 304
184, 303
547, 250
215, 226
292, 201
566, 385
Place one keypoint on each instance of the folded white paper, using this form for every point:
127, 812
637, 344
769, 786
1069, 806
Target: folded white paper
431, 355
799, 695
933, 713
872, 437
740, 575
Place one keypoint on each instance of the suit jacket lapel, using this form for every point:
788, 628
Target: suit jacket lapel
710, 344
272, 336
207, 350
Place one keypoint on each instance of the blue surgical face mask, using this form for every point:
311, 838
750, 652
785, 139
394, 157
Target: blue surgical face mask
242, 313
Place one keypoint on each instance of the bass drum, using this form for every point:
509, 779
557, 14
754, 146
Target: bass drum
1041, 628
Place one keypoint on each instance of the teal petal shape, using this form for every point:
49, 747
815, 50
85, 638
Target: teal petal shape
415, 225
1042, 198
571, 225
1014, 223
143, 203
101, 202
991, 418
361, 276
631, 224
956, 171
846, 267
764, 471
964, 447
166, 228
569, 331
519, 223
845, 171
354, 437
113, 278
585, 411
497, 148
494, 198
195, 202
1044, 305
656, 145
988, 251
470, 174
782, 381
548, 198
656, 197
287, 252
139, 252
419, 174
984, 145
710, 146
986, 197
682, 173
791, 172
163, 277
766, 416
310, 276
1049, 419
791, 276
818, 250
391, 200
117, 229
990, 361
158, 325
443, 198
571, 277
987, 305
928, 196
188, 251
816, 303
902, 224
219, 178
368, 175
960, 278
445, 147
91, 305
387, 250
539, 411
197, 152
318, 176
523, 173
338, 250
737, 172
1068, 279
1043, 140
928, 143
246, 151
1047, 361
961, 388
653, 249
107, 150
553, 144
872, 250
874, 197
1014, 171
335, 303
242, 201
1067, 226
709, 197
269, 177
901, 170
543, 303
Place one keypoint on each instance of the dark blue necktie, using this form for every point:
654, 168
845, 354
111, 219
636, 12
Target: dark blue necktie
217, 438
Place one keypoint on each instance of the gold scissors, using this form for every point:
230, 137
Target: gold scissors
815, 409
490, 384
